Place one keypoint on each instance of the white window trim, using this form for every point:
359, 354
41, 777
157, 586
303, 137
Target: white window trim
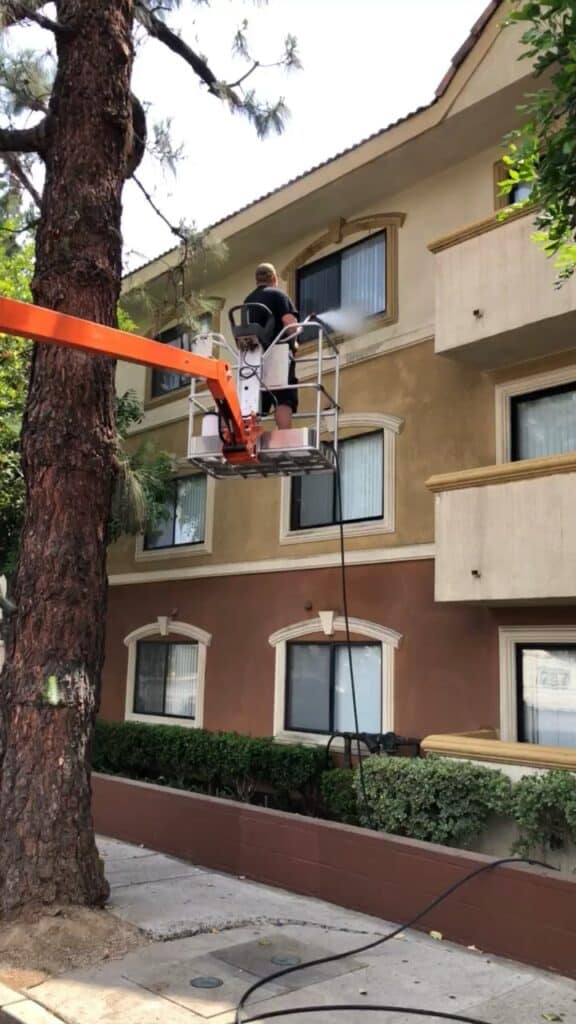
522, 386
508, 638
166, 627
389, 640
205, 547
390, 427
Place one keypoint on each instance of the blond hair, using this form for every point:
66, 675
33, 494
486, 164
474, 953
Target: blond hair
265, 273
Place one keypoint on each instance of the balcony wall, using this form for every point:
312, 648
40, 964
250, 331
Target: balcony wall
507, 533
496, 300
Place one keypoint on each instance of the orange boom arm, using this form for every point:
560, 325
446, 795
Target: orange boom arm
46, 325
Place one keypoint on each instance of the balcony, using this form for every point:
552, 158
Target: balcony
507, 533
495, 297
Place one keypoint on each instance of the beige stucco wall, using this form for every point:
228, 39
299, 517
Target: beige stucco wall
505, 276
518, 536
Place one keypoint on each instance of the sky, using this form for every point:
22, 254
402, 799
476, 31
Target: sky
365, 64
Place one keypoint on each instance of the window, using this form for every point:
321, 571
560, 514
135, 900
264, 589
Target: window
184, 519
164, 382
354, 277
546, 694
166, 680
314, 498
165, 673
318, 690
520, 192
543, 422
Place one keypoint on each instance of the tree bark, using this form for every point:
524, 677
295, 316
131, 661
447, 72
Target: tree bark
49, 689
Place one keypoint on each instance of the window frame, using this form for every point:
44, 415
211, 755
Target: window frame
167, 643
189, 544
152, 401
361, 228
515, 400
505, 392
337, 258
178, 331
519, 648
296, 482
198, 548
509, 638
169, 630
333, 645
351, 425
317, 629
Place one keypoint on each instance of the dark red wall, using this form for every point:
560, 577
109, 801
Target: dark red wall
446, 668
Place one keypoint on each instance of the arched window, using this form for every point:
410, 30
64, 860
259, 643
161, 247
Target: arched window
312, 691
166, 669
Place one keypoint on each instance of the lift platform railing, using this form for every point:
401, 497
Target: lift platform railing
291, 452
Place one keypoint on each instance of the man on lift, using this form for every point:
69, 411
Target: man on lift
267, 293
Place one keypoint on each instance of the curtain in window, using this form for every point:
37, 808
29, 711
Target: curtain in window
308, 689
319, 287
548, 693
363, 283
361, 469
315, 497
546, 425
181, 680
367, 666
190, 510
149, 689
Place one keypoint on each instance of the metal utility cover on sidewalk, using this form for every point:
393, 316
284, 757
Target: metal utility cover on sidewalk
265, 956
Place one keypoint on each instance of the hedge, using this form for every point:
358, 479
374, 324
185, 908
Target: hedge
220, 763
436, 799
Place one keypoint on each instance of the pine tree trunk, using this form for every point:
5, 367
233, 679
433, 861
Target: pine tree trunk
49, 689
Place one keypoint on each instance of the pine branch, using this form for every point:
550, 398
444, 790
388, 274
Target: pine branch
23, 140
179, 232
16, 12
16, 169
159, 30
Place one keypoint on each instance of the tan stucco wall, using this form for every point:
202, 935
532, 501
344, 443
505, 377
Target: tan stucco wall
429, 394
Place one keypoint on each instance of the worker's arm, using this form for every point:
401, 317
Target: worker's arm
288, 319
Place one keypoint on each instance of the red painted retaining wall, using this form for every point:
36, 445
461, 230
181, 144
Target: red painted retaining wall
528, 914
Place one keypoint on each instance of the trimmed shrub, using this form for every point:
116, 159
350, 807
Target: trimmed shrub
338, 792
439, 800
544, 808
219, 763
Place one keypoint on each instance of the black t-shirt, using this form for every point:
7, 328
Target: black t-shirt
276, 301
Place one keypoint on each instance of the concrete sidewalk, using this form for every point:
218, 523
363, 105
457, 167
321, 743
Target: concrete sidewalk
232, 932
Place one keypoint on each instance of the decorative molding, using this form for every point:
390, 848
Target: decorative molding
390, 426
205, 547
360, 627
327, 622
337, 232
365, 419
503, 473
503, 393
389, 639
176, 629
372, 556
508, 637
500, 752
480, 227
